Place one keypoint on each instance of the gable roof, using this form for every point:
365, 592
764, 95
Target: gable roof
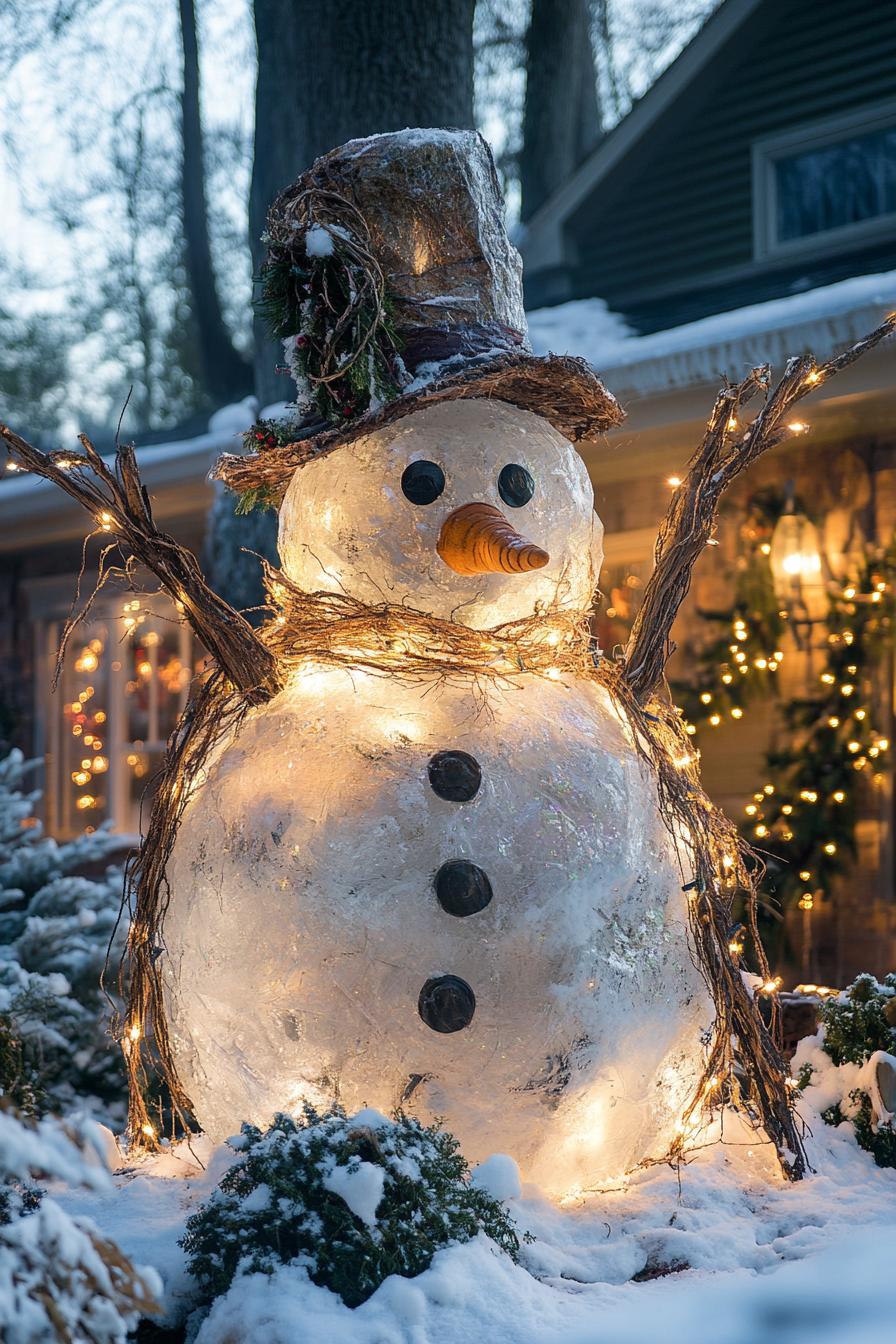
541, 239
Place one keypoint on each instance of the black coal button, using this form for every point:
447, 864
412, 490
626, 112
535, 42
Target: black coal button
446, 1003
455, 776
462, 888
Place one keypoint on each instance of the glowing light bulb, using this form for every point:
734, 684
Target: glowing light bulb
853, 746
839, 796
847, 689
737, 712
761, 830
673, 481
751, 809
830, 848
797, 426
715, 720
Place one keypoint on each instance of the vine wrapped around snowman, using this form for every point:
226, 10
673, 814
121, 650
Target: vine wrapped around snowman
417, 842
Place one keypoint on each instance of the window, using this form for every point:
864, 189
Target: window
125, 679
826, 186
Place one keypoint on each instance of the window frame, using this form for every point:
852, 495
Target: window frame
49, 602
813, 135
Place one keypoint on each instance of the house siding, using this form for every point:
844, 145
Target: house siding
679, 208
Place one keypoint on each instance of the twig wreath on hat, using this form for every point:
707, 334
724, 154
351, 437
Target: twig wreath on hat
417, 842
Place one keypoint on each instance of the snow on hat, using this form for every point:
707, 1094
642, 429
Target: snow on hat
392, 282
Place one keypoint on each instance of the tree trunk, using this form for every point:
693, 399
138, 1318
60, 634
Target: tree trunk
226, 375
328, 73
561, 117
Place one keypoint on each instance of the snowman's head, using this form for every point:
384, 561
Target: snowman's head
471, 510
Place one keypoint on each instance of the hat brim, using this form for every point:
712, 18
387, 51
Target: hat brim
564, 390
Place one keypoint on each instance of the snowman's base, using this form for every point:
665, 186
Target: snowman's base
315, 952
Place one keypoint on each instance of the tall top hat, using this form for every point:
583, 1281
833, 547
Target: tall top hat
390, 278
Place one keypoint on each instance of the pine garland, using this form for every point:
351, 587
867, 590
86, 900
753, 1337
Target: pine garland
323, 294
805, 814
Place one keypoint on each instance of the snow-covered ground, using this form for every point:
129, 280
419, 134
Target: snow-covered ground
722, 1249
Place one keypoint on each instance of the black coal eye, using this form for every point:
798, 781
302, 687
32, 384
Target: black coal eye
423, 482
515, 485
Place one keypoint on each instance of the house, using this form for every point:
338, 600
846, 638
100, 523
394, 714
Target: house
128, 665
745, 211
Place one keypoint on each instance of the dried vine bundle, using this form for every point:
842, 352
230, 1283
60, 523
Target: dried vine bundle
396, 640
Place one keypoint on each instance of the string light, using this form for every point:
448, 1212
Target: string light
673, 481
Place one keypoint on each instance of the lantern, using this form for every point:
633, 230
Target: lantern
795, 560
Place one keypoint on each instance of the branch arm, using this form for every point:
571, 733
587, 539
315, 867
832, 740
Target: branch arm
119, 504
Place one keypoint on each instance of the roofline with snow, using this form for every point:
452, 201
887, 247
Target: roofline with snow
541, 242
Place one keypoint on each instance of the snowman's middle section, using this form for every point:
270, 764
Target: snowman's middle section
455, 898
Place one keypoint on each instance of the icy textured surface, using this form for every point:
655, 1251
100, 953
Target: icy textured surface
346, 526
433, 207
304, 924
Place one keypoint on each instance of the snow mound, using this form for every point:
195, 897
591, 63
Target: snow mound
498, 1176
361, 1186
724, 1239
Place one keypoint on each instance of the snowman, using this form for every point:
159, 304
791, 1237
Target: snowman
437, 893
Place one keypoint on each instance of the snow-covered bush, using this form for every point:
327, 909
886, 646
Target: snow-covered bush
848, 1070
350, 1200
55, 929
59, 1279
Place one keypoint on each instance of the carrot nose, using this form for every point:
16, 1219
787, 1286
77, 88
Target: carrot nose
477, 539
